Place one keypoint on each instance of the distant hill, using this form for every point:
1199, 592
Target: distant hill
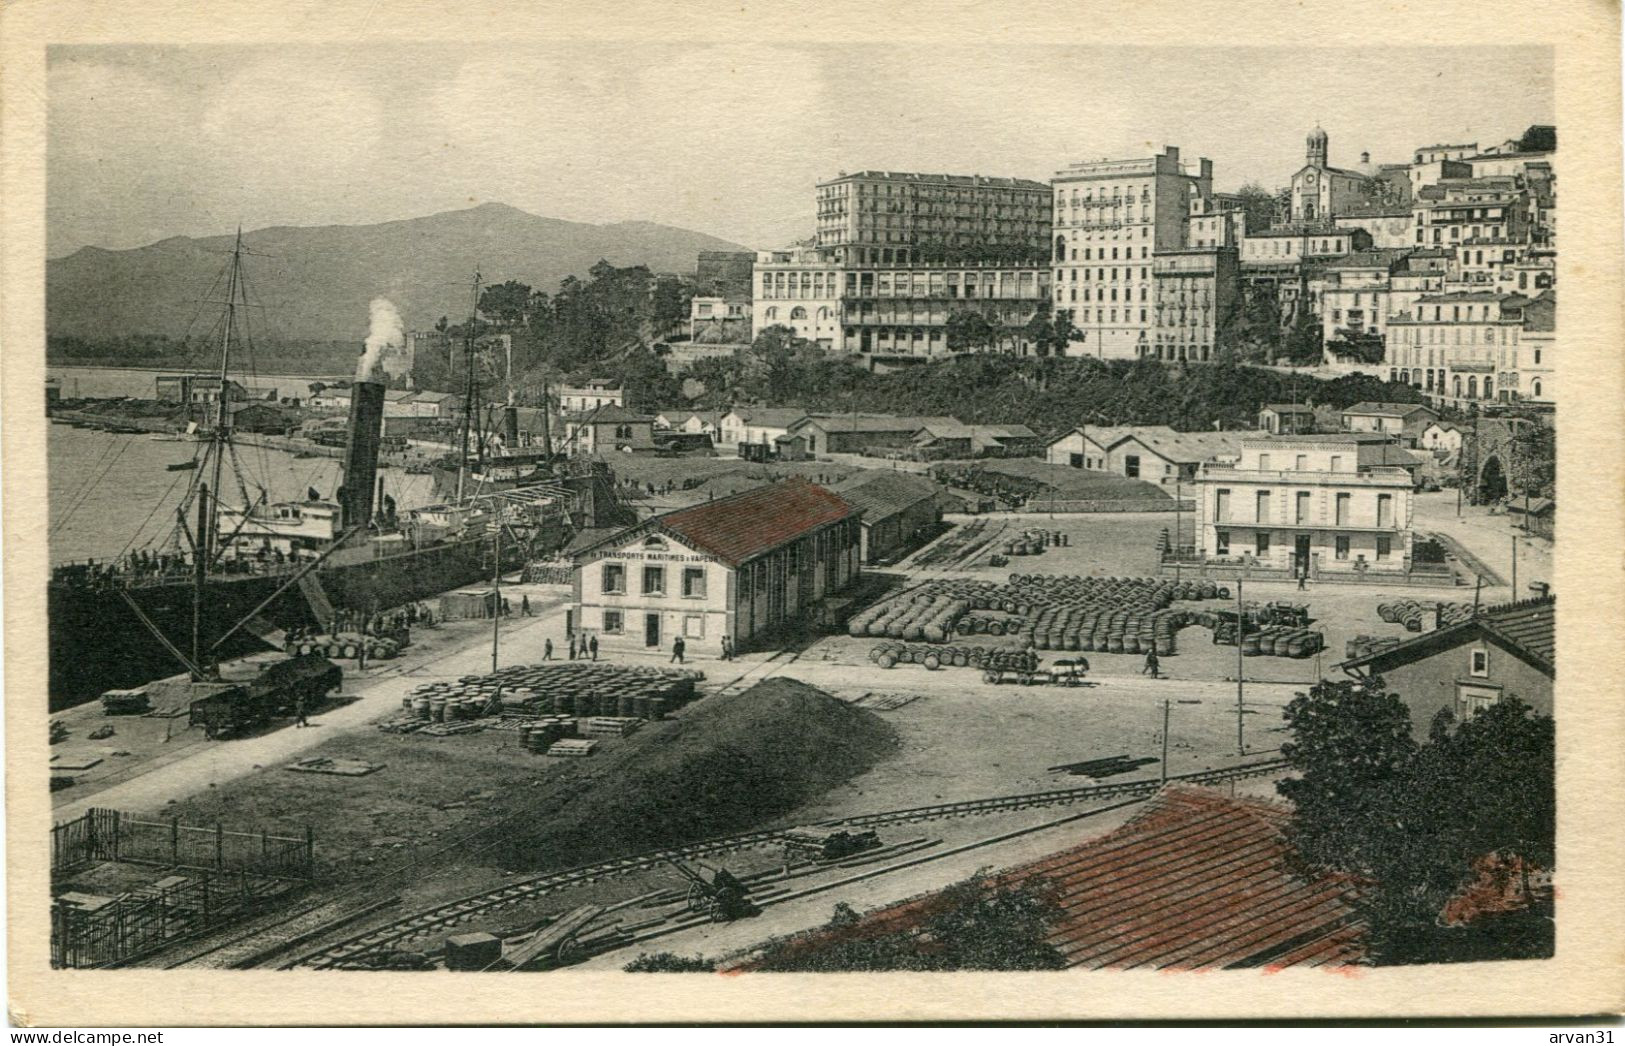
316, 282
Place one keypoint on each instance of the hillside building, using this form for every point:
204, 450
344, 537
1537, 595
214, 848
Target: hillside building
885, 218
608, 427
800, 289
897, 509
1110, 217
595, 393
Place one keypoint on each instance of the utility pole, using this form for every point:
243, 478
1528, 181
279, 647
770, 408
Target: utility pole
1241, 627
1179, 523
1514, 568
1166, 704
496, 587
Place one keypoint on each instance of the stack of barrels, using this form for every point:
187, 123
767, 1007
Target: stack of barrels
889, 655
1119, 615
1362, 645
1282, 641
1409, 612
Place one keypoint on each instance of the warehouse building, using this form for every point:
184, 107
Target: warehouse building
1505, 652
897, 509
740, 566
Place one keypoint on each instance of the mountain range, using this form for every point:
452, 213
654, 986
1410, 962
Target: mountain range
316, 282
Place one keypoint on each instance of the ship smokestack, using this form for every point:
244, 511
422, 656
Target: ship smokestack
510, 427
361, 454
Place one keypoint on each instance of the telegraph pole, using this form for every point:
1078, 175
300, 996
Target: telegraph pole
1166, 704
1241, 627
496, 588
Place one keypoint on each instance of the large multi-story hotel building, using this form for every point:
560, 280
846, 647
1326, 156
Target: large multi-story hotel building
899, 315
899, 218
1110, 217
799, 289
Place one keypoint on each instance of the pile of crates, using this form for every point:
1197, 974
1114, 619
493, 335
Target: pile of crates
567, 688
539, 735
609, 726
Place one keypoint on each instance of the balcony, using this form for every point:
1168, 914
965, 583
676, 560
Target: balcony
1376, 476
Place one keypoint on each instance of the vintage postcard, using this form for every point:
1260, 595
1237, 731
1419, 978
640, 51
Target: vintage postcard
1050, 509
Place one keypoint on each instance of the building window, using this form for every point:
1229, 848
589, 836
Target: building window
1342, 546
1303, 507
1221, 542
1263, 463
1480, 663
1471, 700
1385, 546
654, 581
1302, 464
1343, 501
1131, 466
1385, 510
1262, 540
694, 626
615, 579
1221, 505
693, 582
1262, 506
613, 623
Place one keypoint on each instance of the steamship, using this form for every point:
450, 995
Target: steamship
243, 574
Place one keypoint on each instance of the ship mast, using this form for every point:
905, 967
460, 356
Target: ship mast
468, 385
209, 497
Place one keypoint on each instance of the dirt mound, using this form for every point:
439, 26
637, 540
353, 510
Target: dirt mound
733, 762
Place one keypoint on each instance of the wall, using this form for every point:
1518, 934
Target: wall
673, 607
1429, 684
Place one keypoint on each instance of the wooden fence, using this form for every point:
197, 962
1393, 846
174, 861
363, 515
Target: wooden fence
111, 835
1039, 505
87, 933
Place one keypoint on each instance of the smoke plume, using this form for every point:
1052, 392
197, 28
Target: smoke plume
385, 333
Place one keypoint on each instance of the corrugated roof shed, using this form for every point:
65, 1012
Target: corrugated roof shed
881, 494
771, 417
1388, 410
755, 522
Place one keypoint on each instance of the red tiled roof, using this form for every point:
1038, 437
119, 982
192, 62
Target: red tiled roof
756, 521
1196, 881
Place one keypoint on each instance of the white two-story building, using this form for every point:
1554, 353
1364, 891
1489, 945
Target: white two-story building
1313, 504
740, 566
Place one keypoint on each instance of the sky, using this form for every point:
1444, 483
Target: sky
149, 142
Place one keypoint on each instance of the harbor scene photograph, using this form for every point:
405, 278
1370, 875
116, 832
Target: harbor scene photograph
669, 510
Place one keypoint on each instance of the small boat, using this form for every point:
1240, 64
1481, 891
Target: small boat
182, 466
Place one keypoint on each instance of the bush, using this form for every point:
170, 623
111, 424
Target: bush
670, 962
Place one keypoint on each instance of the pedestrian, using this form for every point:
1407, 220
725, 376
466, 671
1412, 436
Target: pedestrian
1303, 577
1151, 665
547, 649
572, 648
524, 605
592, 644
727, 648
299, 710
677, 650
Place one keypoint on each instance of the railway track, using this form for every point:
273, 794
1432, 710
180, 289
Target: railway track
354, 951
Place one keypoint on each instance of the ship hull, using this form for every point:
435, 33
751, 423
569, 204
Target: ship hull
97, 643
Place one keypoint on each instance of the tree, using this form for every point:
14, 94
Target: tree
968, 330
1049, 331
646, 383
975, 924
1349, 738
1260, 206
506, 305
1371, 803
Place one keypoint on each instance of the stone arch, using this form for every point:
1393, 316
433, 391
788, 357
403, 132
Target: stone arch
1489, 387
798, 313
1472, 387
1534, 388
1455, 386
1492, 480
